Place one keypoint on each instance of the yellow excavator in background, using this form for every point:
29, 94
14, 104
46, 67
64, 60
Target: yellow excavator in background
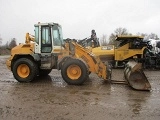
47, 51
128, 47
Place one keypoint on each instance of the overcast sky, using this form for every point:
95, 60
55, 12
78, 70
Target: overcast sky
79, 17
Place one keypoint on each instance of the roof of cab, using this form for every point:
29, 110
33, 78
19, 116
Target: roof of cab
125, 37
43, 24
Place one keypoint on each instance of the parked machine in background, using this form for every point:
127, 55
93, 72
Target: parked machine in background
127, 48
152, 56
130, 48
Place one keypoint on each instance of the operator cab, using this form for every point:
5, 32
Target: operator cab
48, 38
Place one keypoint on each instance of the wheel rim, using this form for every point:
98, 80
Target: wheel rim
74, 72
23, 70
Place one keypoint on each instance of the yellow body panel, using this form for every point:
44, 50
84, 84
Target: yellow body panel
23, 49
124, 52
104, 50
20, 49
110, 52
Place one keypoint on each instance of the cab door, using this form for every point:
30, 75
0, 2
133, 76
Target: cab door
46, 39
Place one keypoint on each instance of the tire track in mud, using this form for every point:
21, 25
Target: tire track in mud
39, 81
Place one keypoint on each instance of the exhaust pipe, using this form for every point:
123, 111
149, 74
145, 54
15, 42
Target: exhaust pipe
135, 76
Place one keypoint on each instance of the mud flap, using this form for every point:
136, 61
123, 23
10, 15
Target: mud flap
135, 76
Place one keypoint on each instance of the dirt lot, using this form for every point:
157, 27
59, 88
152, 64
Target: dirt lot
50, 98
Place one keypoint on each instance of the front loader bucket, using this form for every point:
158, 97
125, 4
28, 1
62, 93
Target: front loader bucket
135, 76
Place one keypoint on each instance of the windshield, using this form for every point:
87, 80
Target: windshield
57, 35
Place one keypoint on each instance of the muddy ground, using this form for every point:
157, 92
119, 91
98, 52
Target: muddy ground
50, 98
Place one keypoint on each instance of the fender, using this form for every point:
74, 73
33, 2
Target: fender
34, 57
62, 61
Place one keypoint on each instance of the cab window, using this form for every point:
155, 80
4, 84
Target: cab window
37, 35
56, 36
46, 36
46, 43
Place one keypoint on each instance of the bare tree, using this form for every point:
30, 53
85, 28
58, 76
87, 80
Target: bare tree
104, 40
149, 36
118, 31
112, 38
153, 36
7, 45
12, 43
121, 31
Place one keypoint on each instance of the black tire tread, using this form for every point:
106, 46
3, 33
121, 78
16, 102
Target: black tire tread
83, 77
33, 68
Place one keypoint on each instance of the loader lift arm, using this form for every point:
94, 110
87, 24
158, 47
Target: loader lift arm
93, 64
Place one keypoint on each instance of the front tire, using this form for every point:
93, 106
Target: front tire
24, 70
74, 72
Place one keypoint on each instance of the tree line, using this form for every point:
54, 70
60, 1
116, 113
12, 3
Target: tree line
104, 40
9, 45
5, 49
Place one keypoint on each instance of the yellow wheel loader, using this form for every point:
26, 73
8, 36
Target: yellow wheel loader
47, 50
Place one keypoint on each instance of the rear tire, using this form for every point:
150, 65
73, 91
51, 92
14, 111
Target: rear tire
24, 70
74, 72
